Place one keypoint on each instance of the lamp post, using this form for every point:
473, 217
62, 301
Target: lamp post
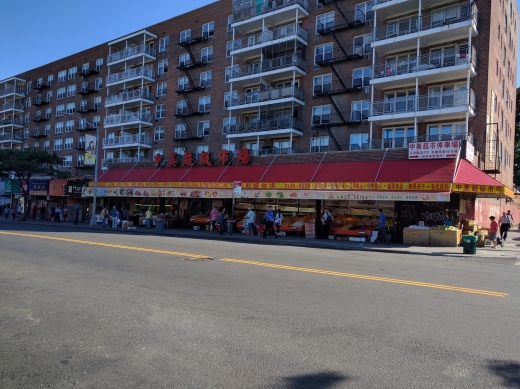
93, 221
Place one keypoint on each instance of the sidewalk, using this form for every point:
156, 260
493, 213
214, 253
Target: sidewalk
510, 252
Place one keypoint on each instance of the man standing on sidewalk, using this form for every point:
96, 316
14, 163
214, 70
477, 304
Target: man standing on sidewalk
115, 217
381, 230
269, 219
213, 216
503, 222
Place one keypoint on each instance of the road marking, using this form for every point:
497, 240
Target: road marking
116, 246
371, 278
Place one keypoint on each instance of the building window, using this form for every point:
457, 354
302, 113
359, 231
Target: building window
60, 94
46, 145
48, 113
164, 43
99, 64
71, 108
27, 101
181, 108
323, 83
73, 72
204, 104
71, 90
229, 23
158, 133
50, 79
358, 141
252, 147
448, 131
206, 54
49, 97
230, 99
359, 110
185, 36
161, 88
283, 146
178, 150
69, 126
27, 117
208, 30
364, 11
229, 48
28, 87
228, 147
58, 128
97, 102
203, 128
321, 114
200, 149
442, 96
47, 129
362, 44
205, 79
229, 125
324, 22
227, 74
68, 143
67, 161
160, 111
184, 60
98, 83
62, 76
361, 77
323, 53
26, 133
80, 161
183, 84
401, 101
58, 144
36, 146
398, 137
163, 66
180, 131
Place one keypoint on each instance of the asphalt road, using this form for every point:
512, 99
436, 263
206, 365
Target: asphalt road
85, 309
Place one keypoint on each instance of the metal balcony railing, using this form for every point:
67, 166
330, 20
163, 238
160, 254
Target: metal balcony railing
334, 119
131, 51
9, 91
128, 117
437, 18
259, 67
403, 142
281, 123
126, 140
445, 59
347, 52
287, 31
267, 95
128, 96
11, 121
142, 71
243, 12
10, 138
11, 105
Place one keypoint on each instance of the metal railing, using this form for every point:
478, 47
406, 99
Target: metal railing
350, 83
344, 20
128, 117
110, 161
433, 101
8, 91
259, 67
11, 105
10, 138
438, 18
403, 142
288, 31
127, 140
11, 121
143, 48
142, 71
241, 13
447, 58
129, 95
267, 95
356, 116
338, 54
281, 123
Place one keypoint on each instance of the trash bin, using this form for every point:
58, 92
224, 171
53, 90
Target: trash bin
159, 225
469, 244
230, 226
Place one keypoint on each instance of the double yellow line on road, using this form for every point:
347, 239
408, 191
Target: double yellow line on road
265, 264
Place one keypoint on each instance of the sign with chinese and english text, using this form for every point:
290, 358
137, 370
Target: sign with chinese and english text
434, 150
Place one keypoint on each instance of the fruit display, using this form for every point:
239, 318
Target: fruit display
444, 228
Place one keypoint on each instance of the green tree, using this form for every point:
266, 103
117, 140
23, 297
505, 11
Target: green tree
27, 165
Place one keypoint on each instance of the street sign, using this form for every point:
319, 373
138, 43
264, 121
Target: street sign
237, 187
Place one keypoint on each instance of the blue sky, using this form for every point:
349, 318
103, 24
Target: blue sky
36, 32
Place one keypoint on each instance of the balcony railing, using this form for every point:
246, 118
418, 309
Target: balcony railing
10, 138
10, 91
403, 142
445, 59
258, 67
287, 31
438, 18
142, 71
241, 13
110, 161
334, 119
128, 96
11, 121
267, 95
127, 118
343, 21
433, 101
131, 51
127, 140
345, 53
11, 105
281, 123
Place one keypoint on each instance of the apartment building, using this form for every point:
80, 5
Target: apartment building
302, 80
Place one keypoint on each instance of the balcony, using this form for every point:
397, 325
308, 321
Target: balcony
84, 126
128, 141
247, 18
41, 86
429, 68
442, 25
352, 84
39, 134
201, 36
128, 119
39, 118
107, 162
390, 8
132, 55
87, 107
87, 88
343, 21
187, 87
339, 54
435, 106
132, 77
251, 100
343, 119
189, 64
265, 128
39, 102
18, 91
88, 71
11, 138
12, 106
403, 142
130, 98
272, 69
11, 122
251, 45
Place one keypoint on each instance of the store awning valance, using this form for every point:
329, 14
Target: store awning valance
469, 179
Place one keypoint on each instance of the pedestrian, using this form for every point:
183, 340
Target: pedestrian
19, 211
221, 220
251, 218
57, 215
6, 212
381, 228
13, 213
115, 217
269, 219
34, 211
278, 219
511, 220
326, 223
213, 217
42, 212
53, 213
123, 215
503, 222
148, 217
103, 215
65, 214
493, 231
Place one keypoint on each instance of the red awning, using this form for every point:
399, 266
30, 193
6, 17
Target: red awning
470, 175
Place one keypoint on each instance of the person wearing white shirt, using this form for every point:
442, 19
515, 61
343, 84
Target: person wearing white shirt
250, 217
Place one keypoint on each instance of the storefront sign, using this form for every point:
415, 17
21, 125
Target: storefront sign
39, 187
90, 150
470, 152
434, 150
56, 188
237, 187
11, 187
75, 187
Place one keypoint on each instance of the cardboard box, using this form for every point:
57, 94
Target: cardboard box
416, 237
445, 238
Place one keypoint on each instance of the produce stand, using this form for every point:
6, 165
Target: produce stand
201, 222
445, 238
416, 237
366, 234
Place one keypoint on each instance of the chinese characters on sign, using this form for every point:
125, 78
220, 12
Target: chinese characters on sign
187, 159
204, 158
224, 156
434, 150
173, 160
243, 156
157, 159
